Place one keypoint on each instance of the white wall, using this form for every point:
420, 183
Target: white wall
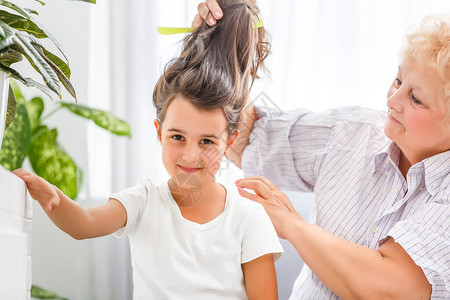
15, 237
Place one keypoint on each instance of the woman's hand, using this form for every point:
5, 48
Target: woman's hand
209, 11
245, 127
275, 202
40, 190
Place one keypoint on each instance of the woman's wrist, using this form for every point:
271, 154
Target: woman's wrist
295, 228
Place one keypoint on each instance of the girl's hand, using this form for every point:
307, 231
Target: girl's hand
275, 202
209, 11
40, 190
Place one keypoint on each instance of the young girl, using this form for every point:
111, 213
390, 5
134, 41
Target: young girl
189, 238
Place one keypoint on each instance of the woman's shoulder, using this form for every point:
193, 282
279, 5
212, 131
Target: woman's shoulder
348, 114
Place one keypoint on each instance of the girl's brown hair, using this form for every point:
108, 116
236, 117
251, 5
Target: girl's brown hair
217, 64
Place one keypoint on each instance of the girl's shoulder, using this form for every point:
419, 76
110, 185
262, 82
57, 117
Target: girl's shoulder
243, 207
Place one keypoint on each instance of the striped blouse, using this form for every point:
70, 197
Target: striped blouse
344, 157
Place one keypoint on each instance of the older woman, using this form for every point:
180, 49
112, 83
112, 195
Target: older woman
381, 183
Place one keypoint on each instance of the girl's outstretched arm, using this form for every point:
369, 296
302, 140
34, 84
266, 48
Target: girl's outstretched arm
260, 278
69, 216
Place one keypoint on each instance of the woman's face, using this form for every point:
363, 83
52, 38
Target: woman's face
193, 141
418, 122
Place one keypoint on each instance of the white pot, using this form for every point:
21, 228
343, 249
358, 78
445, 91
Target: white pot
4, 88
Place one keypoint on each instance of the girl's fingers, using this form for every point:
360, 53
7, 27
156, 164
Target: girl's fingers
24, 175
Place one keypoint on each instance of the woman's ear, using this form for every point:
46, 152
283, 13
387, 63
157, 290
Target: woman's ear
158, 129
232, 139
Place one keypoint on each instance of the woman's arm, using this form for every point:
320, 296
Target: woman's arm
69, 216
350, 270
260, 278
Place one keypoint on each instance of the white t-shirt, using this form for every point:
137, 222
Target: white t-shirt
174, 258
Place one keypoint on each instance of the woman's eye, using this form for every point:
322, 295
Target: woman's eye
415, 100
207, 142
177, 137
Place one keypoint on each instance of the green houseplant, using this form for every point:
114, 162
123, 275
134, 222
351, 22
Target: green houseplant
20, 36
26, 134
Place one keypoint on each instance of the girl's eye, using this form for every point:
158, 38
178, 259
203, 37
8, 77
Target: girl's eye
177, 137
415, 100
397, 82
207, 142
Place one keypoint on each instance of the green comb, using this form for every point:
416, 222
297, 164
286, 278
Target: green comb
176, 30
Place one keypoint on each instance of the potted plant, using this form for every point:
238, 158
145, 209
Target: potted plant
26, 134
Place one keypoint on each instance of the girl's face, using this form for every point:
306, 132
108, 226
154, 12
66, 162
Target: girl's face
193, 141
417, 119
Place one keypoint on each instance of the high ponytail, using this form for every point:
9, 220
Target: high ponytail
217, 64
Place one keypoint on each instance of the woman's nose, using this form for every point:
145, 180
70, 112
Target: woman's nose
395, 99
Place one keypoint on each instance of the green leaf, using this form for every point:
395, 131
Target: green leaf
35, 107
63, 66
52, 163
17, 92
22, 24
15, 8
9, 56
102, 118
89, 1
33, 56
16, 141
41, 2
8, 35
26, 81
40, 293
61, 76
11, 108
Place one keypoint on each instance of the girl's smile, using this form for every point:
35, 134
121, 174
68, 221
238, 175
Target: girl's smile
189, 170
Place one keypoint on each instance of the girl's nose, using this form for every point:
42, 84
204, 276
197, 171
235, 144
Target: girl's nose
191, 153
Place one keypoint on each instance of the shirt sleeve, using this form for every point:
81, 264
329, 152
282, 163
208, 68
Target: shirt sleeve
260, 237
426, 238
290, 147
276, 139
134, 200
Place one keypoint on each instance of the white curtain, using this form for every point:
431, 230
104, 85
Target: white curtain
325, 53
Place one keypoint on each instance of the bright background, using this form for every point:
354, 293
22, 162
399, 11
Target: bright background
325, 53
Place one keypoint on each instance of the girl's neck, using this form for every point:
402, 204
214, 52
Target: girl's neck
200, 205
196, 194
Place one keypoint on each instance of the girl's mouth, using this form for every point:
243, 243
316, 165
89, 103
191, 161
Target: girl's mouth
189, 170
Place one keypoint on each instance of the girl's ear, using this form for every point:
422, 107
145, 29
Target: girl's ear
232, 139
158, 129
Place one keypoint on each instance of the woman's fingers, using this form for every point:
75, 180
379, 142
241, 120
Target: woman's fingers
249, 196
197, 22
256, 185
266, 181
209, 11
214, 9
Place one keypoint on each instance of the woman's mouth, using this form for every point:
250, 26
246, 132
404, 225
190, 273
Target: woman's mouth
189, 170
